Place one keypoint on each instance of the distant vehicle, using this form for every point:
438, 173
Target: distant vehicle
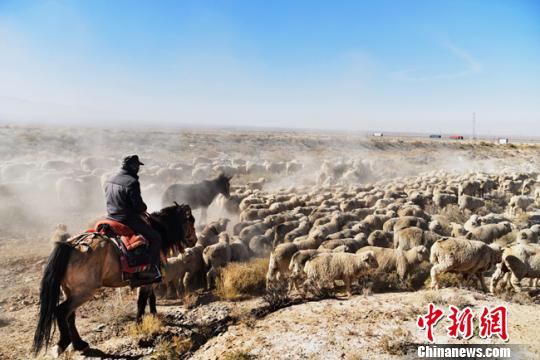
378, 134
503, 141
435, 136
456, 137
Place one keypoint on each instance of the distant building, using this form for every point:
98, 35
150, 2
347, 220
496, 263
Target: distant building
378, 134
503, 141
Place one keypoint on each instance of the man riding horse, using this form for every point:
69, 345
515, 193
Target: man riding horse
125, 205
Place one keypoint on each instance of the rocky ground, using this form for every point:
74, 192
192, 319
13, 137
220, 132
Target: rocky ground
363, 327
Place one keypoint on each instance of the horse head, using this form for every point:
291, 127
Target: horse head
224, 184
176, 225
188, 223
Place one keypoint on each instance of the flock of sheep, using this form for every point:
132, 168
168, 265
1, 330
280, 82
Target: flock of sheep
347, 222
472, 223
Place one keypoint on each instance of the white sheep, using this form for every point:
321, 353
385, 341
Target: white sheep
401, 261
490, 232
520, 260
520, 202
413, 236
441, 200
323, 269
215, 257
471, 203
470, 257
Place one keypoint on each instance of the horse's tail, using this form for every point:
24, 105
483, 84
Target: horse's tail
49, 295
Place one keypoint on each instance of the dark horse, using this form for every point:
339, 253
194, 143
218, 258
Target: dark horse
79, 274
198, 195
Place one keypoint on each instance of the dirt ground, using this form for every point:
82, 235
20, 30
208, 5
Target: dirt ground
370, 326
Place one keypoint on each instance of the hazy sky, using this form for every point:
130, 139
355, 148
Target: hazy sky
360, 65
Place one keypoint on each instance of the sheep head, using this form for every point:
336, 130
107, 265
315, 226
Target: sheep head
422, 253
370, 260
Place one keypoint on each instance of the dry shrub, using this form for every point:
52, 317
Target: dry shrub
454, 280
459, 301
491, 207
190, 300
522, 298
238, 280
238, 355
453, 214
397, 342
434, 297
171, 349
414, 280
383, 282
149, 326
277, 295
418, 276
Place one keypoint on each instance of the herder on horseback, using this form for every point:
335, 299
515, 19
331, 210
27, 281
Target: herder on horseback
125, 205
109, 255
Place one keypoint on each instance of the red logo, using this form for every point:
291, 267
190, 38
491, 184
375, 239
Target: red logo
490, 322
430, 320
494, 322
462, 322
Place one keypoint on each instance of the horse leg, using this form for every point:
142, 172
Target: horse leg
141, 302
152, 301
78, 343
76, 301
63, 327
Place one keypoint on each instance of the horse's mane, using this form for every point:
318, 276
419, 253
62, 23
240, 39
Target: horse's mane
166, 222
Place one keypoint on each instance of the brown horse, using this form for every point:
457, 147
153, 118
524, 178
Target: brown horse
80, 274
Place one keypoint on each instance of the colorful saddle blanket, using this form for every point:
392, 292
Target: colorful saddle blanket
132, 248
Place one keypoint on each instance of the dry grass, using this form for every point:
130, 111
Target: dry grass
171, 349
491, 207
277, 296
190, 300
240, 280
396, 342
454, 280
434, 297
149, 326
390, 281
521, 298
452, 214
238, 355
460, 301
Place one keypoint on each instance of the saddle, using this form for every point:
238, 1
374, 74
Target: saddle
132, 248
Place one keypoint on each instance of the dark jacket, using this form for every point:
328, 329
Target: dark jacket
123, 197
